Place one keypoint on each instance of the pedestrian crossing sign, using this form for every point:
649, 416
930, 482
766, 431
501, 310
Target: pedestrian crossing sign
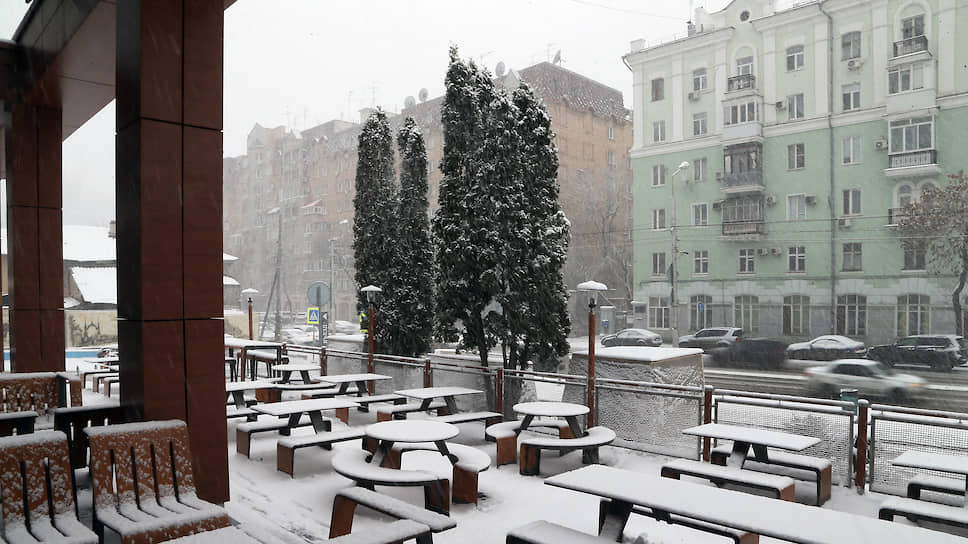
312, 316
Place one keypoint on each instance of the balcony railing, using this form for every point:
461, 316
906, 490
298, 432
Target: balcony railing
910, 45
913, 158
738, 83
739, 180
744, 227
894, 215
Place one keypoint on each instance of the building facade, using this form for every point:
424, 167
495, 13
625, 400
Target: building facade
290, 197
803, 131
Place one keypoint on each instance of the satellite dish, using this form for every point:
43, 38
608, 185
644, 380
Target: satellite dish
409, 102
422, 95
499, 69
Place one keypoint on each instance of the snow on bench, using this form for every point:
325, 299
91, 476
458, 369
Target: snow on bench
244, 431
820, 469
400, 411
355, 466
546, 532
738, 536
468, 462
782, 486
530, 461
489, 418
912, 508
218, 536
925, 482
391, 533
286, 447
345, 502
505, 434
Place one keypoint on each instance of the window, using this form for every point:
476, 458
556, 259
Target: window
742, 210
796, 207
611, 133
795, 106
796, 315
909, 77
658, 219
744, 66
699, 124
853, 257
611, 158
658, 175
912, 314
746, 262
852, 315
851, 201
658, 264
914, 253
658, 131
699, 169
795, 157
797, 259
851, 150
912, 27
850, 46
700, 214
912, 134
794, 58
659, 312
658, 89
739, 113
700, 262
746, 312
700, 312
699, 79
851, 96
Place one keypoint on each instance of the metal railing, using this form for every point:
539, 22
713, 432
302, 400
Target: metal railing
744, 227
750, 178
740, 82
894, 215
913, 158
910, 45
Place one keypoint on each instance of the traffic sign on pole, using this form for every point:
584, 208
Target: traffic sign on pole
312, 316
318, 294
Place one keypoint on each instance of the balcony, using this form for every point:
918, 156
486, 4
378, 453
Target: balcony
894, 215
910, 46
742, 182
734, 228
740, 83
913, 163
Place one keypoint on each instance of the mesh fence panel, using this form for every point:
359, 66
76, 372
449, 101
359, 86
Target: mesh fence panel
893, 434
406, 375
834, 427
471, 378
651, 420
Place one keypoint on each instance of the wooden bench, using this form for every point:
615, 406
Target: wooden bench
468, 463
400, 411
925, 482
820, 469
545, 532
244, 431
530, 460
489, 418
736, 535
391, 533
916, 510
37, 488
110, 382
12, 423
94, 373
346, 501
781, 486
74, 419
100, 379
143, 484
267, 356
354, 465
286, 447
505, 435
38, 391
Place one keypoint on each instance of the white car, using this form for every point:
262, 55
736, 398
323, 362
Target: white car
869, 378
826, 348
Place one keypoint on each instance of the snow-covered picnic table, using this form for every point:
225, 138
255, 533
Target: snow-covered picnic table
745, 438
387, 433
236, 390
246, 346
426, 395
952, 464
302, 368
785, 520
567, 410
344, 381
295, 408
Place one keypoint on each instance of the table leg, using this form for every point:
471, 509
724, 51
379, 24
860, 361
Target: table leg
442, 447
759, 453
425, 404
361, 388
239, 398
320, 425
525, 423
293, 421
451, 404
575, 426
613, 516
243, 361
305, 376
286, 374
382, 451
738, 456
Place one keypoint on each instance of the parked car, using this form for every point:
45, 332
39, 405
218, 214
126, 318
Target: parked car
712, 337
110, 350
632, 337
751, 352
827, 348
939, 351
869, 378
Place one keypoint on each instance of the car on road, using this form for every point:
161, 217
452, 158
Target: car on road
827, 348
751, 352
869, 378
632, 337
939, 351
711, 337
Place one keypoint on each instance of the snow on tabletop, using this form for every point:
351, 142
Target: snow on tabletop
137, 427
550, 409
753, 435
957, 464
97, 285
412, 430
641, 353
342, 378
218, 536
432, 392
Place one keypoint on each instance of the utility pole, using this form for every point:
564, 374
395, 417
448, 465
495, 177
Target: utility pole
675, 256
332, 279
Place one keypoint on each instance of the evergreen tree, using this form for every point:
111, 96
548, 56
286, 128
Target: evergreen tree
374, 224
413, 285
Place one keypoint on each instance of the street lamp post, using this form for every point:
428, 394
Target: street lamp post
371, 292
684, 165
592, 288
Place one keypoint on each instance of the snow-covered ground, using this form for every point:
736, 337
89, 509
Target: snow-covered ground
274, 508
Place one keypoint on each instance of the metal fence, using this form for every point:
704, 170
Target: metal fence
894, 430
649, 416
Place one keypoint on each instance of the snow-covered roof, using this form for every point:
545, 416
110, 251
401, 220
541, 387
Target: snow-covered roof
97, 285
229, 281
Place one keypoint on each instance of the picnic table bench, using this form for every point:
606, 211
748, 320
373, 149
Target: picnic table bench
820, 470
441, 399
391, 533
951, 464
781, 486
346, 501
546, 532
297, 413
918, 510
468, 463
530, 457
286, 447
72, 420
505, 435
355, 465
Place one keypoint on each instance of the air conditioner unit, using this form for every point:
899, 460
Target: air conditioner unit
770, 200
880, 144
844, 222
776, 250
719, 175
717, 204
810, 199
694, 95
763, 251
855, 64
780, 104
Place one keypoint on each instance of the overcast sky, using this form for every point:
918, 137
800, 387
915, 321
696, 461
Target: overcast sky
303, 62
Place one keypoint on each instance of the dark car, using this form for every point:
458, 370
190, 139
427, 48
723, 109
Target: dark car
751, 352
632, 337
939, 351
711, 337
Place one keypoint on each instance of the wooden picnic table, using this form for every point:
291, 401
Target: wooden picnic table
387, 433
236, 390
759, 440
952, 464
244, 346
426, 395
784, 520
567, 410
296, 408
302, 368
344, 381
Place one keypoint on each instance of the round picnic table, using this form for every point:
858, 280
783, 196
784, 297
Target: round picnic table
567, 410
388, 433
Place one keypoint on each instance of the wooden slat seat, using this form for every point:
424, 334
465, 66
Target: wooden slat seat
143, 483
400, 411
244, 431
529, 463
781, 486
286, 447
99, 380
40, 392
926, 482
505, 435
37, 491
391, 533
914, 509
354, 465
546, 532
468, 463
820, 470
346, 501
73, 420
736, 535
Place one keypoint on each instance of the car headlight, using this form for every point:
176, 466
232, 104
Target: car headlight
914, 384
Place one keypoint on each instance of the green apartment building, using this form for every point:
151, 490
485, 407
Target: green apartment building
804, 131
